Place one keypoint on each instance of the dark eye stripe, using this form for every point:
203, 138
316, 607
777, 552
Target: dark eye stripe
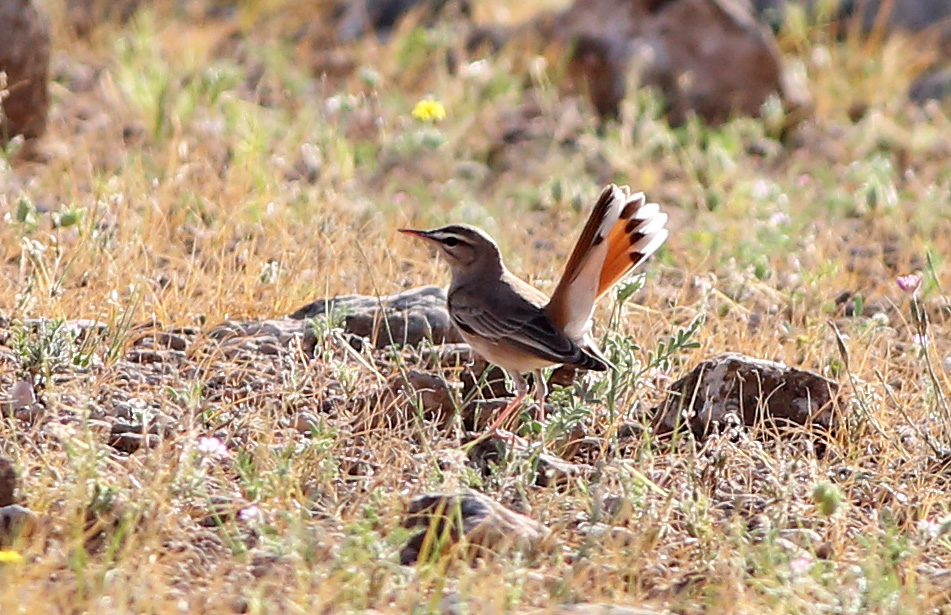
449, 238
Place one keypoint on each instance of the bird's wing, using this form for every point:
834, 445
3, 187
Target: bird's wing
523, 325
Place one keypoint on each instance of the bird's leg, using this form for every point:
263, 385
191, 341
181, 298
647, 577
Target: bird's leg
521, 390
541, 392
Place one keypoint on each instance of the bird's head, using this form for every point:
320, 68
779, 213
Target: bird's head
465, 247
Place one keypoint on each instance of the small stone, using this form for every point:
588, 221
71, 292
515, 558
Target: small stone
122, 410
170, 341
489, 527
445, 356
485, 380
15, 522
479, 413
8, 481
305, 422
553, 471
610, 534
22, 394
270, 349
588, 608
129, 438
235, 337
138, 355
30, 413
431, 391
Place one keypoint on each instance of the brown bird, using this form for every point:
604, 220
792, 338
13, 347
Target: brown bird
517, 327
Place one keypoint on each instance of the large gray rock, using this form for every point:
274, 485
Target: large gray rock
735, 389
25, 59
408, 317
710, 57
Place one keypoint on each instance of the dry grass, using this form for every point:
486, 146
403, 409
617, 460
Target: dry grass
189, 187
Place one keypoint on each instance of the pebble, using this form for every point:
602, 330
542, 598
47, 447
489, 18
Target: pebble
305, 422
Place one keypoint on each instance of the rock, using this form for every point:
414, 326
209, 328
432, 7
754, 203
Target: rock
305, 423
138, 355
933, 85
221, 509
131, 442
22, 403
8, 481
22, 394
431, 390
550, 470
85, 15
31, 413
593, 608
733, 388
932, 18
405, 396
485, 454
488, 379
608, 534
128, 438
447, 356
908, 15
408, 317
773, 12
25, 58
15, 522
554, 471
708, 57
488, 526
163, 340
269, 333
479, 413
381, 16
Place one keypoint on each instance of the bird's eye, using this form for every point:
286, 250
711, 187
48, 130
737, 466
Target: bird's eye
451, 242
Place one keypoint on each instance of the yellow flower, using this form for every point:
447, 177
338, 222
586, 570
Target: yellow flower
429, 110
10, 557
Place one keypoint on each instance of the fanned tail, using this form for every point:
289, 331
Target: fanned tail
622, 231
634, 238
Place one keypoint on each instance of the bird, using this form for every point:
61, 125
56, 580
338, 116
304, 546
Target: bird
516, 326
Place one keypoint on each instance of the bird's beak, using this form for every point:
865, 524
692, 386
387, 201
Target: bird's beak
416, 233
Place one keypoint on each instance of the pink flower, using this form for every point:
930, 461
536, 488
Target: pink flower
780, 218
251, 514
909, 283
212, 447
801, 565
